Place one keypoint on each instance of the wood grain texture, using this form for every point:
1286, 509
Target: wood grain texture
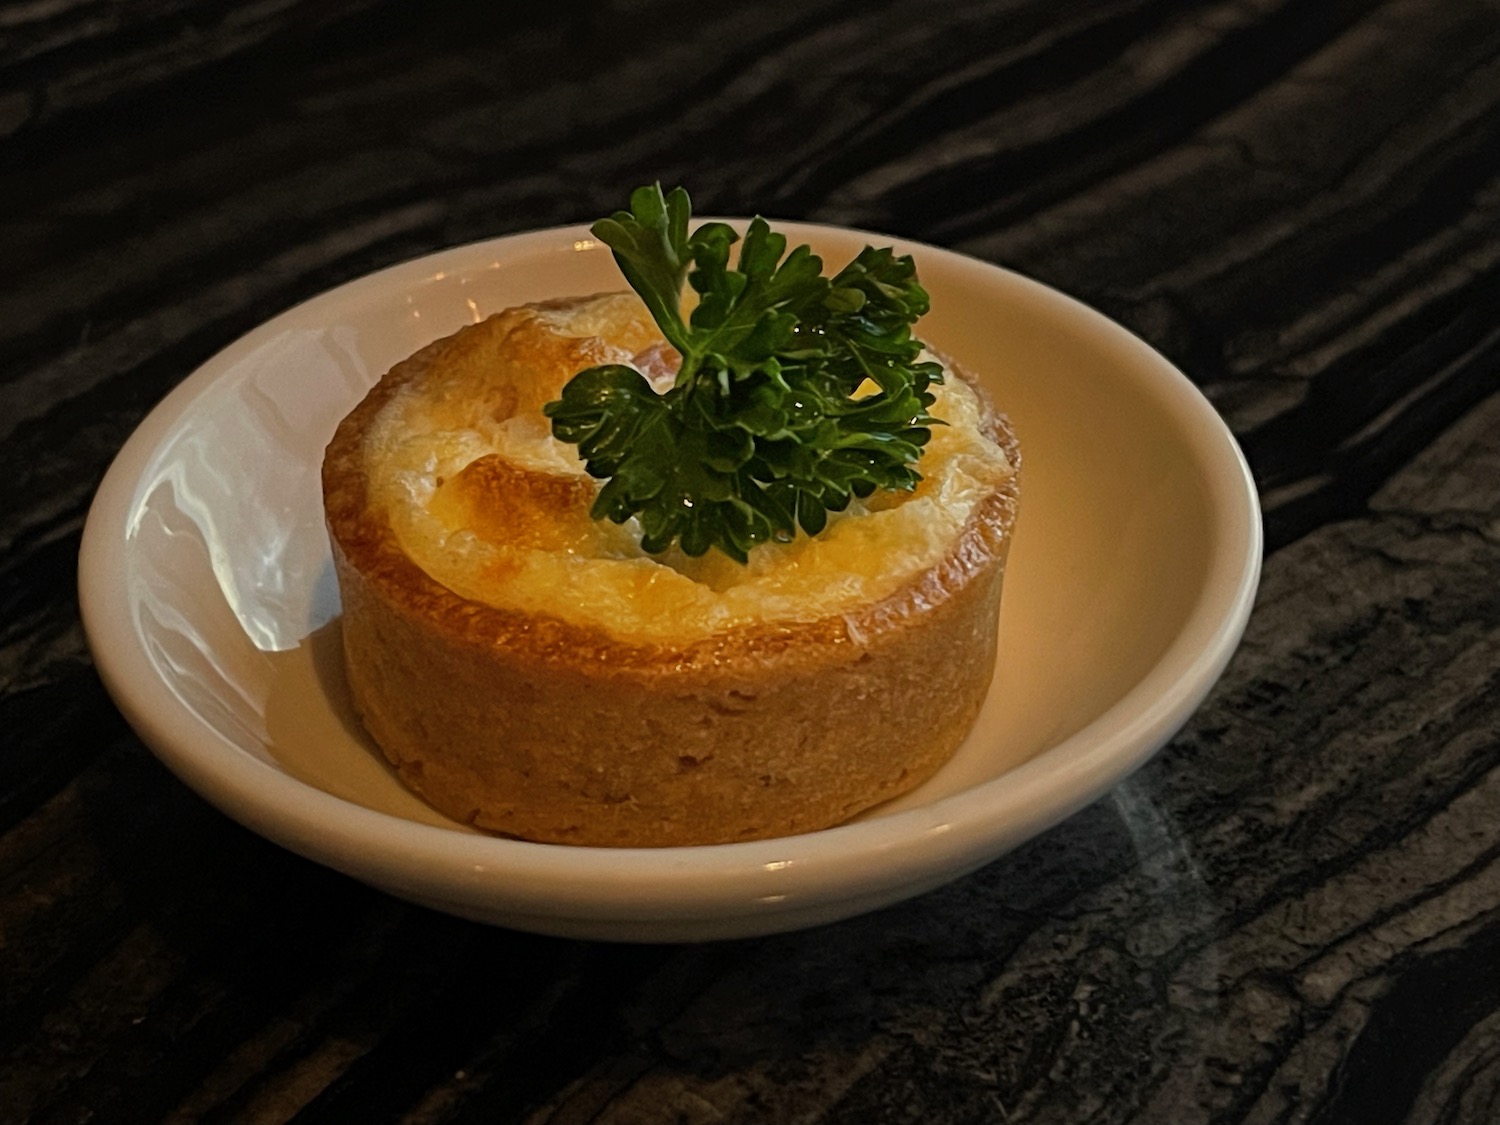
1292, 915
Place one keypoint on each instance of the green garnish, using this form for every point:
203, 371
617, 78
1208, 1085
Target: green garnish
770, 424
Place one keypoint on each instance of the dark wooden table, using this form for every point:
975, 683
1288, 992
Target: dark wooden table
1291, 915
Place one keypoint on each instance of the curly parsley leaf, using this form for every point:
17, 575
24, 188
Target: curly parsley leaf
796, 392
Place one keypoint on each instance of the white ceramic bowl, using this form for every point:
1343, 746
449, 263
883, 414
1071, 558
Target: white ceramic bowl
209, 602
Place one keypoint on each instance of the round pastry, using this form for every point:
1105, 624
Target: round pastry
531, 671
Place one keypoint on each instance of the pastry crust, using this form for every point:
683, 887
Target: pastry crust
531, 725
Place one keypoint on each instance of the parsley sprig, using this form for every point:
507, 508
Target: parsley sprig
772, 421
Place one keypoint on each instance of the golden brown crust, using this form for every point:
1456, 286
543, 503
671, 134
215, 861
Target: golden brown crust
530, 726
